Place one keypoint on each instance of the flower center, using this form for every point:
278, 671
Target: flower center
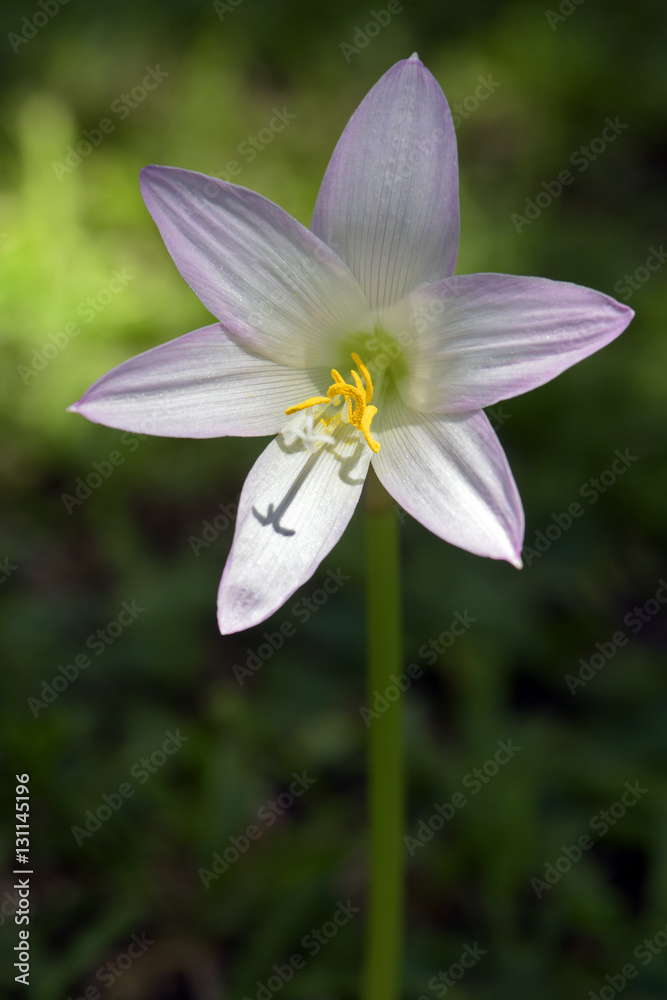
356, 398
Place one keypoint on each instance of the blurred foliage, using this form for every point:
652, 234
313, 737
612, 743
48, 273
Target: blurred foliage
63, 234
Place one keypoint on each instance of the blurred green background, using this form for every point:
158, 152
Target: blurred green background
68, 567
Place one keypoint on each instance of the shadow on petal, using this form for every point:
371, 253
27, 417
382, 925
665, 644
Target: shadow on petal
347, 452
273, 516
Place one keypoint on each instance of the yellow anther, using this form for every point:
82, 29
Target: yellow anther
357, 396
360, 386
365, 427
367, 376
313, 401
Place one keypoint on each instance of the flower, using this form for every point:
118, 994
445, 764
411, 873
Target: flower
369, 289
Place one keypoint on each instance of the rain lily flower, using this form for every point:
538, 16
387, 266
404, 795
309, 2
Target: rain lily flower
352, 342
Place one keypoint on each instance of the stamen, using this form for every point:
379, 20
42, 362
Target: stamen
359, 384
313, 401
367, 376
356, 397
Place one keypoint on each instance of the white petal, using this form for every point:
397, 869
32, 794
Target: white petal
294, 507
201, 385
389, 201
272, 283
450, 473
475, 339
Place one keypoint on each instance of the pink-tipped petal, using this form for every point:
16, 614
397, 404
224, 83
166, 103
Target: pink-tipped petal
475, 339
294, 507
201, 385
389, 203
451, 474
272, 283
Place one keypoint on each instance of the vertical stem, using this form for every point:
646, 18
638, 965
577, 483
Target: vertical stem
384, 954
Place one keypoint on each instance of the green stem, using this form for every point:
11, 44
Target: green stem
382, 975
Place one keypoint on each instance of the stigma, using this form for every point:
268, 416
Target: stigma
356, 398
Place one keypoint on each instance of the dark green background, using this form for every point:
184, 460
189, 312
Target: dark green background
504, 679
